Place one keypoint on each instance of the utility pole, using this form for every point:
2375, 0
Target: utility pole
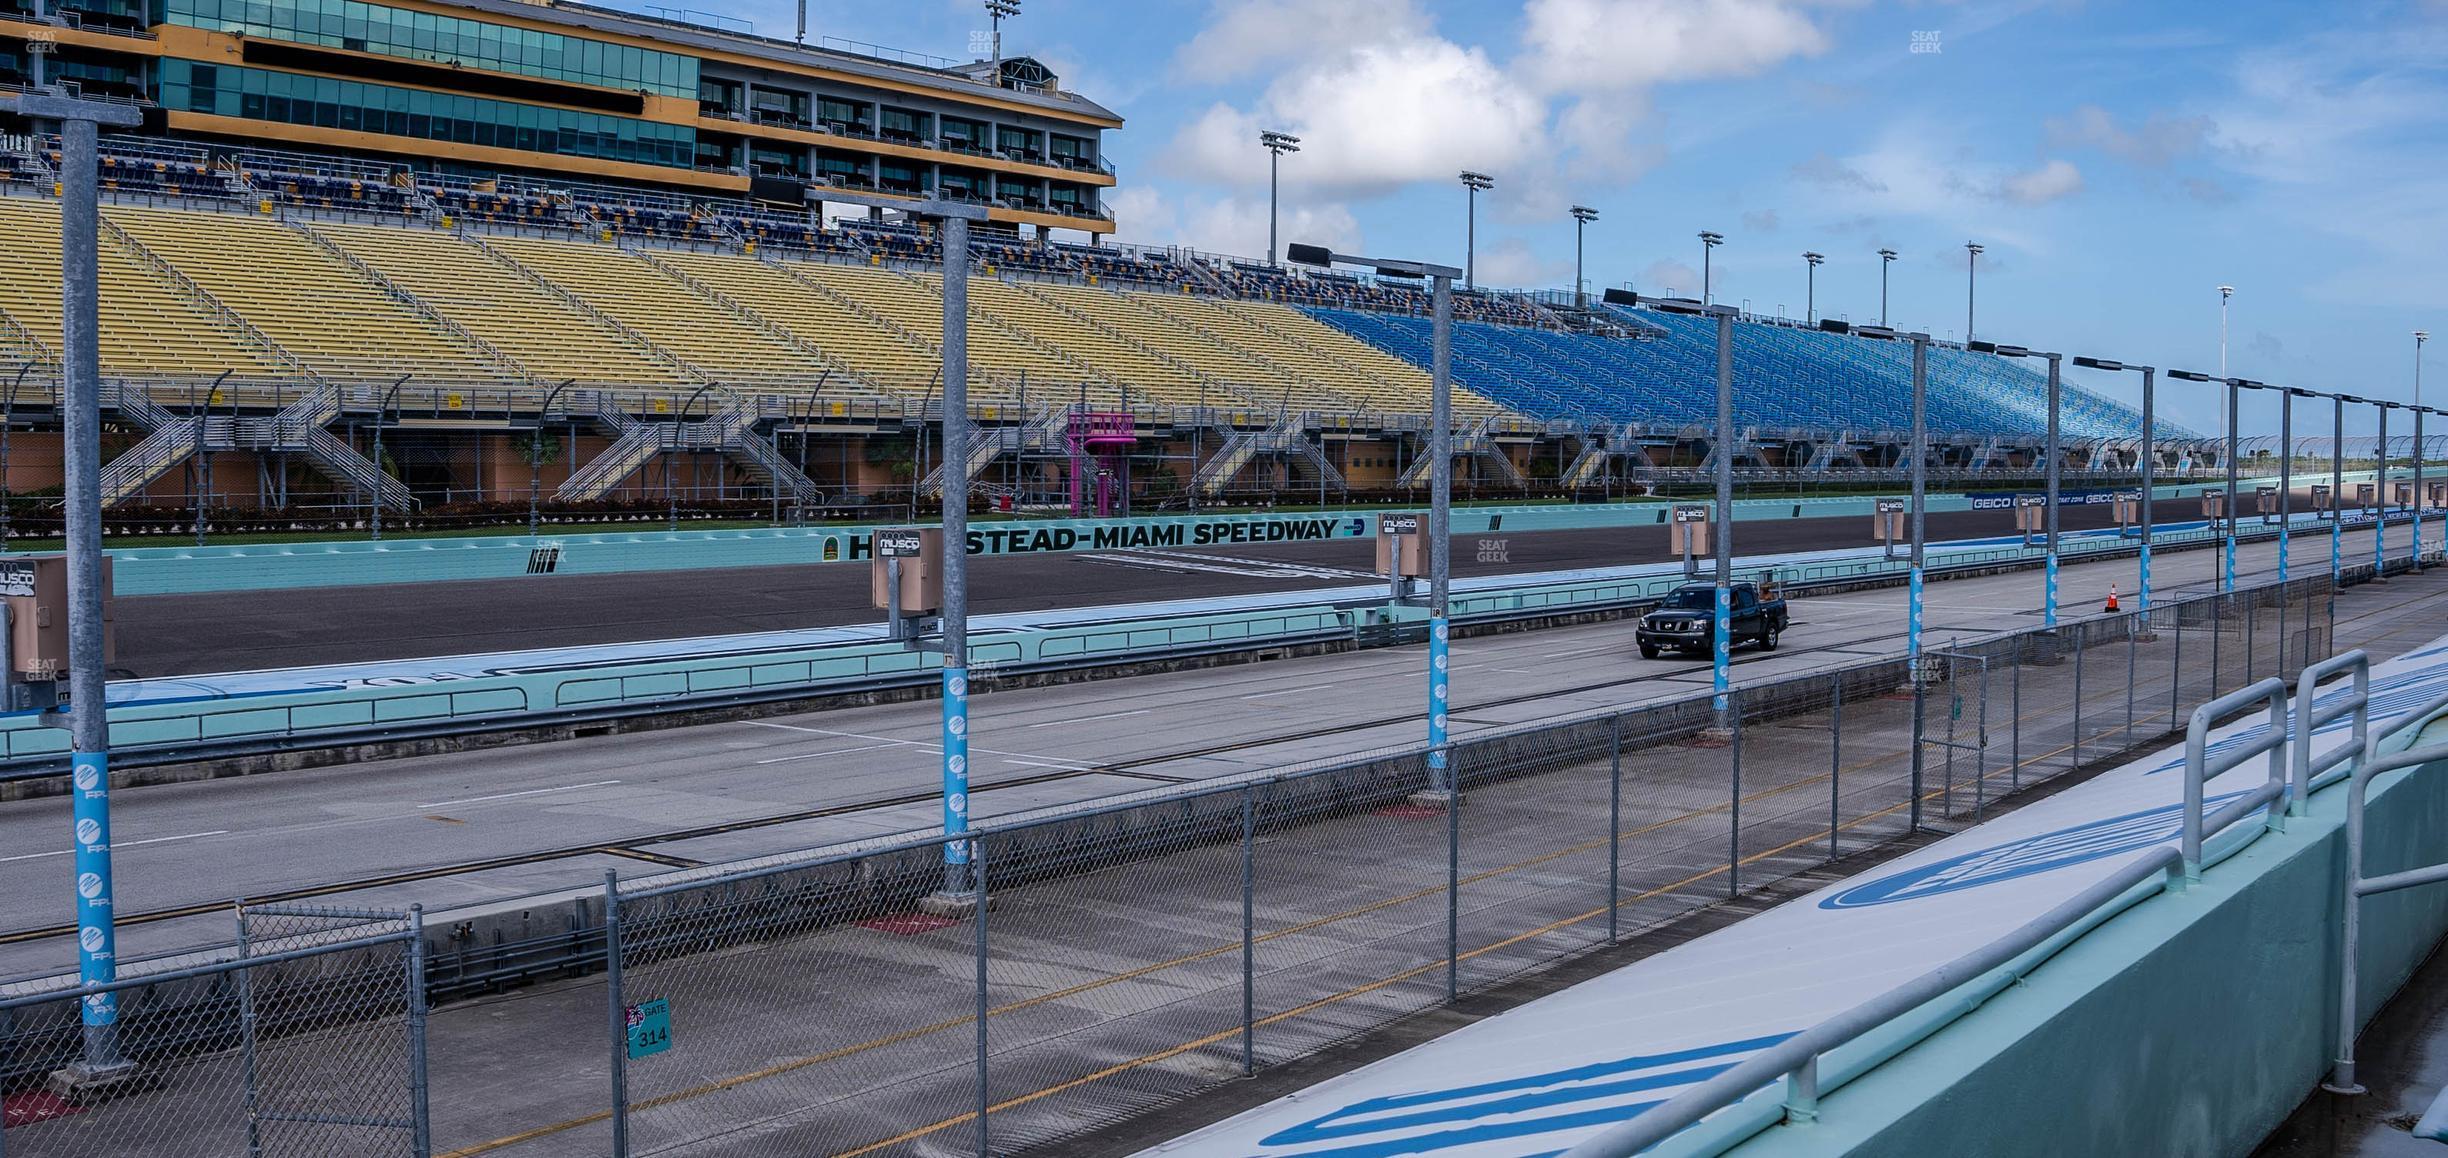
99, 1063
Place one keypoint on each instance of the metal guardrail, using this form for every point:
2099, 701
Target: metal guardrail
1796, 1060
2370, 766
2311, 771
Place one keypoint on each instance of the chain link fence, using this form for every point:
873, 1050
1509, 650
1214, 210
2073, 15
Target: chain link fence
859, 1000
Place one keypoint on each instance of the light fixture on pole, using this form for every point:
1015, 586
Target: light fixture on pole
2380, 494
2149, 462
2228, 511
2420, 336
1582, 215
1919, 451
1972, 252
1442, 789
2052, 470
1474, 184
1709, 241
2286, 459
99, 1063
2337, 487
1810, 287
996, 10
1886, 258
1276, 144
1721, 458
2225, 292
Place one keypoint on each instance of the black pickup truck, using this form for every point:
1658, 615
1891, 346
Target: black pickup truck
1686, 621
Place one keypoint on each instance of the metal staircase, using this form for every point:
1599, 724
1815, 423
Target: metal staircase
1477, 444
1601, 445
730, 432
1039, 432
1288, 439
298, 429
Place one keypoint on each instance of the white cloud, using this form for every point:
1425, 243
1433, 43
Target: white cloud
1381, 99
1243, 37
1510, 263
2053, 181
1668, 277
1230, 225
2156, 141
1375, 117
1599, 46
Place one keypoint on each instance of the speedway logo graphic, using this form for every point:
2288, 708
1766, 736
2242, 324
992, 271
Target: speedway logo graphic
1462, 1120
2016, 859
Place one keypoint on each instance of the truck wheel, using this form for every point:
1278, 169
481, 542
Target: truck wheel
1648, 651
1768, 638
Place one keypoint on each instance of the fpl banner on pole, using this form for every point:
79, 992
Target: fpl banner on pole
96, 953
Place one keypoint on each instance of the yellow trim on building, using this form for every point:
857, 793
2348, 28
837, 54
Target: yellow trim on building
16, 29
364, 142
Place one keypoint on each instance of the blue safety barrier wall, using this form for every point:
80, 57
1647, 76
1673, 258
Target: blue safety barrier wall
304, 705
2191, 1024
338, 563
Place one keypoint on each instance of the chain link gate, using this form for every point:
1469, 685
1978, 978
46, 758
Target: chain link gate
1955, 744
332, 1050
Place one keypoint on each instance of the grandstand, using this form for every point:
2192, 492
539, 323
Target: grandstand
413, 292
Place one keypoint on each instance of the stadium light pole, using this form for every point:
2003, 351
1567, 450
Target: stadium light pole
1810, 287
1721, 533
1919, 450
2225, 292
1473, 184
1886, 258
2380, 494
996, 11
2052, 471
2149, 461
1709, 241
2337, 487
2227, 582
1582, 215
2286, 459
99, 1063
1442, 787
2420, 336
1972, 252
1276, 144
960, 894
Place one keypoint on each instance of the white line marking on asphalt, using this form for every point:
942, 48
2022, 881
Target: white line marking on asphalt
1092, 719
1061, 764
119, 844
509, 795
1290, 691
974, 749
833, 752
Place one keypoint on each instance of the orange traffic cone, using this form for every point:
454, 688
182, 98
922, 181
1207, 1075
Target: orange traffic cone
2112, 600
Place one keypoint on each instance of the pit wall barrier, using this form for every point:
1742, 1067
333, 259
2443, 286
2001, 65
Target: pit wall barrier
182, 719
187, 570
2190, 1024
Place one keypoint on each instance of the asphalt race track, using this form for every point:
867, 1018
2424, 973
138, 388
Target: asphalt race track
162, 635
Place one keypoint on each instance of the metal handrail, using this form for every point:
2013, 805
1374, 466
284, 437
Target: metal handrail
2357, 886
2311, 771
1796, 1060
2202, 765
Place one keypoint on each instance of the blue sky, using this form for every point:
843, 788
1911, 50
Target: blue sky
2118, 161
